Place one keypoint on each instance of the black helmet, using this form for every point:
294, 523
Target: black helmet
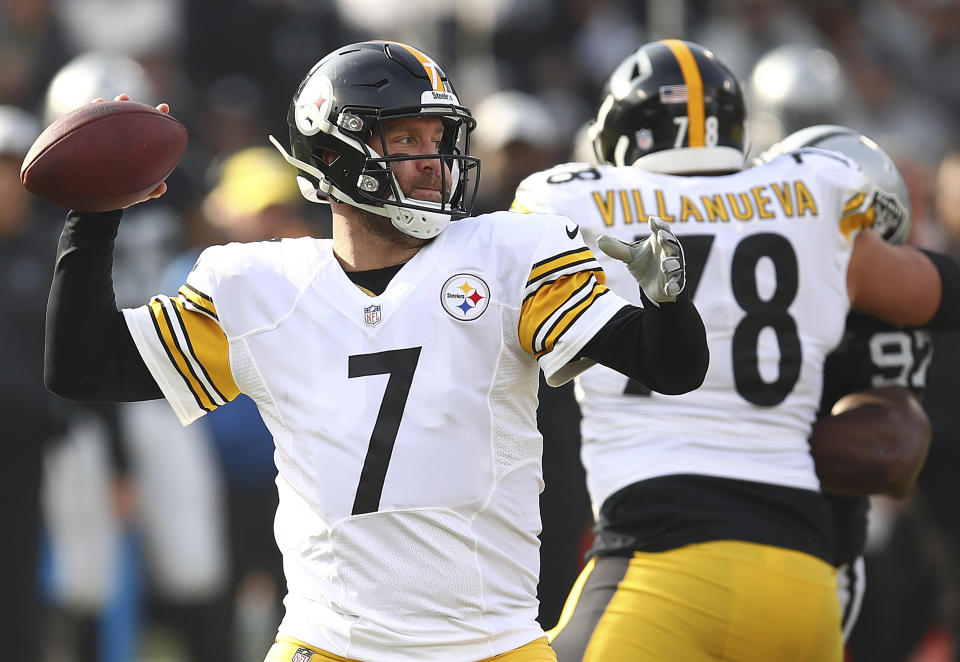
340, 106
891, 200
671, 107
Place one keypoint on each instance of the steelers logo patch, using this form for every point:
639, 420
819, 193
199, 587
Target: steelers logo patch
465, 297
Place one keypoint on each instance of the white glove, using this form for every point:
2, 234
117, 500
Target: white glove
655, 262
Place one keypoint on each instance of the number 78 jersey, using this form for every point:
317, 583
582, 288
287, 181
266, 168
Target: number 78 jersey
404, 423
766, 252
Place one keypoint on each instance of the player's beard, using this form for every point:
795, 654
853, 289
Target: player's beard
382, 227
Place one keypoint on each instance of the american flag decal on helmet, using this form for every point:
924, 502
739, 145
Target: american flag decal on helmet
673, 94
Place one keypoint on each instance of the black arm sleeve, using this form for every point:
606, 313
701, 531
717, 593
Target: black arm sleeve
664, 348
89, 354
947, 316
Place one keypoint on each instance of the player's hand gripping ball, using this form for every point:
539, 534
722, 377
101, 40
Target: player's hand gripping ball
104, 155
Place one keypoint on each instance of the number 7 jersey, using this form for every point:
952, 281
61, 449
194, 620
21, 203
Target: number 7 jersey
766, 253
404, 423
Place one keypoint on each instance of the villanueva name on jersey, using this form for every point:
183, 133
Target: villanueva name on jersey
791, 199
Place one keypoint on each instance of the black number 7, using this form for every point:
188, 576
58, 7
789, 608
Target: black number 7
400, 364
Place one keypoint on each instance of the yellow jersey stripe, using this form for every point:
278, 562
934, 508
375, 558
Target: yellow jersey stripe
568, 318
550, 305
572, 600
214, 359
691, 76
162, 324
852, 222
199, 299
558, 262
854, 202
369, 293
516, 206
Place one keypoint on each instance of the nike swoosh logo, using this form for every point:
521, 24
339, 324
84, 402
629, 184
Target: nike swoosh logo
572, 233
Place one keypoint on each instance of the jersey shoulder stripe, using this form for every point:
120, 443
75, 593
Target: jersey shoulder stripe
858, 213
197, 349
196, 300
544, 317
572, 261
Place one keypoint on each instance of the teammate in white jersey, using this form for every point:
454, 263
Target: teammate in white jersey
713, 538
396, 365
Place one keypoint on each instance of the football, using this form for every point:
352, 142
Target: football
104, 156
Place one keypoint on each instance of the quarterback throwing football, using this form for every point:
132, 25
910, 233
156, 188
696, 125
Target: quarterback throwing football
396, 365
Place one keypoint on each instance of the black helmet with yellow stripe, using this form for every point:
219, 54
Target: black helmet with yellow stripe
336, 134
672, 107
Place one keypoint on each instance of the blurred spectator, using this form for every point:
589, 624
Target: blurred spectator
256, 198
921, 41
30, 416
172, 513
911, 596
516, 135
883, 105
130, 28
31, 48
792, 87
937, 481
740, 32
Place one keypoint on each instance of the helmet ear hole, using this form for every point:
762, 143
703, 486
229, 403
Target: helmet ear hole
326, 155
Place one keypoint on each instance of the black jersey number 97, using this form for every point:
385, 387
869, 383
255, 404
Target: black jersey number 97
761, 313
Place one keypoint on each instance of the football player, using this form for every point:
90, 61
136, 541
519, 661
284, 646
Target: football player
884, 456
713, 535
396, 365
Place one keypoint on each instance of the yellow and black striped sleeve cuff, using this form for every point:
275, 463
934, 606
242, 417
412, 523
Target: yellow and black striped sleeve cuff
559, 290
195, 345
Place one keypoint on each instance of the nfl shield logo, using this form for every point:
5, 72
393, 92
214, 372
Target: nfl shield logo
645, 139
302, 655
371, 315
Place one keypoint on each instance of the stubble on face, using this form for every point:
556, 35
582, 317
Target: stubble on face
382, 228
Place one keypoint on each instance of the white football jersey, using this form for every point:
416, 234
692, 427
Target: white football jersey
404, 423
766, 253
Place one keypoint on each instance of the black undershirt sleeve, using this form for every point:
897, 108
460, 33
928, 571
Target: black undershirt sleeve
664, 348
89, 354
947, 316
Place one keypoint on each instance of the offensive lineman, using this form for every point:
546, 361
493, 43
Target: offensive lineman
714, 539
395, 365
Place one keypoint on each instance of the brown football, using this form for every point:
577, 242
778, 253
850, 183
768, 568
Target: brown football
104, 156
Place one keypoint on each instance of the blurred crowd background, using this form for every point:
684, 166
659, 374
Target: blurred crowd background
141, 540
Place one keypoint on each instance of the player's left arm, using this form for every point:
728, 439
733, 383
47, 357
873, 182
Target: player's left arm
569, 320
873, 442
664, 344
